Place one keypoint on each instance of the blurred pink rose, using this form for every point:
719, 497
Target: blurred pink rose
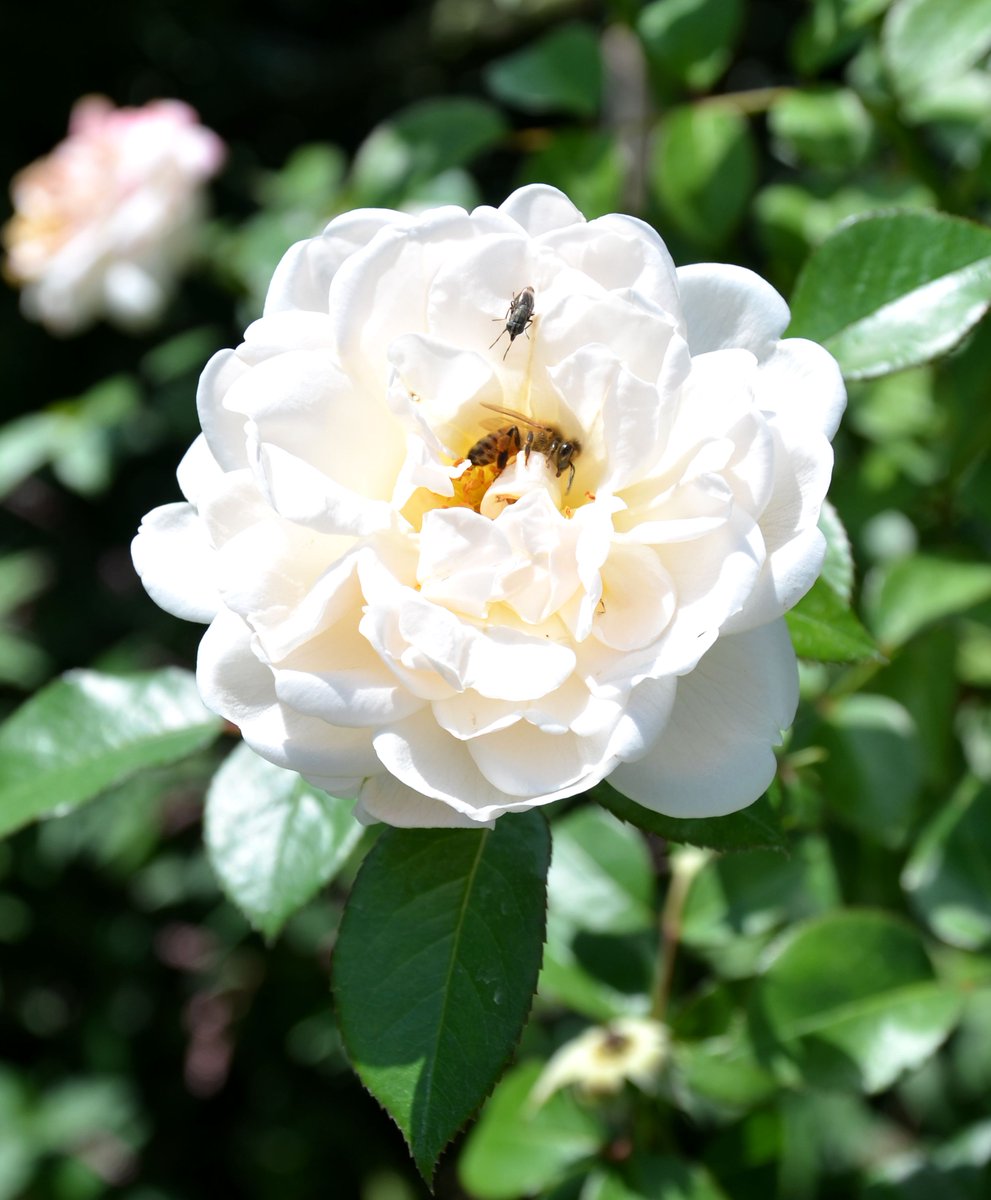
104, 223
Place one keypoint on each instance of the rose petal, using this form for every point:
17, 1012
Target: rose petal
235, 684
176, 562
727, 306
715, 755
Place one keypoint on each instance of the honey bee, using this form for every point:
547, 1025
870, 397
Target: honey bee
503, 443
518, 318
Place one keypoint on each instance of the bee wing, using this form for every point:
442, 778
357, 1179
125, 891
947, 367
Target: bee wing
493, 424
517, 417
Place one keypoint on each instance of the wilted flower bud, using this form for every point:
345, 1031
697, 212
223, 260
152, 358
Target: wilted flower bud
602, 1059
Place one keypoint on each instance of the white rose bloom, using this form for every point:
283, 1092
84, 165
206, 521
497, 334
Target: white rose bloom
450, 643
104, 223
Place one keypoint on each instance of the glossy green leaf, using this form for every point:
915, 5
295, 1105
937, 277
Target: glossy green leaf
703, 170
736, 903
518, 1149
872, 773
562, 72
824, 629
649, 1177
828, 1134
837, 568
831, 30
752, 827
601, 927
273, 839
435, 967
926, 42
689, 41
957, 1169
850, 1001
720, 1076
914, 592
825, 127
948, 876
893, 291
792, 219
87, 731
419, 143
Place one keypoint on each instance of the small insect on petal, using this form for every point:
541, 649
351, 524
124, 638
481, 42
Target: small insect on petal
518, 318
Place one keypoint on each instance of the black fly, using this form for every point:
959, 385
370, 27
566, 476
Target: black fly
519, 317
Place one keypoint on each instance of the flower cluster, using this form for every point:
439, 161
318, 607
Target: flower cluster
457, 577
103, 224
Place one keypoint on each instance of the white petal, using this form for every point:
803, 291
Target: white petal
525, 761
624, 254
302, 404
802, 382
465, 560
637, 601
795, 547
302, 278
235, 684
431, 762
198, 472
223, 429
715, 755
727, 306
466, 715
540, 208
384, 798
176, 562
446, 388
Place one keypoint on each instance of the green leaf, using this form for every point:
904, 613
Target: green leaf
309, 180
850, 1001
736, 903
648, 1177
689, 41
831, 30
562, 72
872, 774
703, 169
927, 42
837, 568
18, 1145
87, 731
893, 291
601, 938
519, 1149
420, 142
914, 592
825, 127
273, 839
435, 968
824, 629
792, 219
720, 1076
747, 829
948, 876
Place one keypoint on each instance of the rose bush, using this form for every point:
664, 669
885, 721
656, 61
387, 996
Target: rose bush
104, 223
449, 642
